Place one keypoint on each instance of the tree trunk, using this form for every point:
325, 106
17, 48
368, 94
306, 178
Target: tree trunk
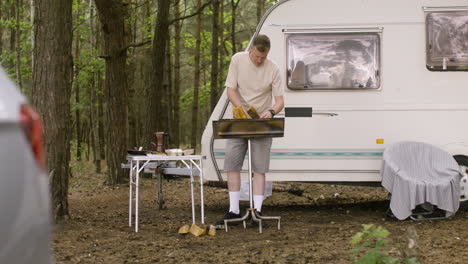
18, 45
221, 45
156, 95
112, 15
143, 77
52, 74
101, 104
86, 132
168, 100
214, 55
1, 28
131, 78
12, 29
77, 97
260, 9
95, 115
234, 5
101, 135
31, 32
177, 37
196, 82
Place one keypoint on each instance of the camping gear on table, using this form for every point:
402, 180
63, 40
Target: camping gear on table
248, 129
417, 173
161, 141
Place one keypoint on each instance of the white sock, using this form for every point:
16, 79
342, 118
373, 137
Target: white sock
234, 198
258, 201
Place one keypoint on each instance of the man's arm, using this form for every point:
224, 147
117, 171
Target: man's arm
234, 97
277, 107
279, 104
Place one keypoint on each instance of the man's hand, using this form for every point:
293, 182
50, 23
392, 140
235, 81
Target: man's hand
266, 114
234, 98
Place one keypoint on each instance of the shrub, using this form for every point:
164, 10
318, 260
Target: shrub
372, 246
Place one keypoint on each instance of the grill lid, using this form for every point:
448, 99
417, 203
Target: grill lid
248, 128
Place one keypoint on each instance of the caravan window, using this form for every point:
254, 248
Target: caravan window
446, 41
333, 60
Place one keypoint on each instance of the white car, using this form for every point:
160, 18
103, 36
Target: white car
25, 220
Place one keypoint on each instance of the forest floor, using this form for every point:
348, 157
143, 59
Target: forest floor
316, 227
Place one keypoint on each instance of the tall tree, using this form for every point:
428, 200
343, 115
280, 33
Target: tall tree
214, 54
76, 85
97, 111
1, 28
112, 15
18, 44
156, 91
177, 80
131, 81
12, 29
52, 74
32, 30
196, 82
260, 9
167, 102
221, 45
234, 5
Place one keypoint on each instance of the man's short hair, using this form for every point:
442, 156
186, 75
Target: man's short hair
262, 43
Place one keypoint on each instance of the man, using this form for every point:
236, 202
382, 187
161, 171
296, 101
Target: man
252, 80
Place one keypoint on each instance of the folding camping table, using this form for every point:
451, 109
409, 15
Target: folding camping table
139, 162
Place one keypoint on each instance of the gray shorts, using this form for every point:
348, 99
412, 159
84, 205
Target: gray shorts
236, 149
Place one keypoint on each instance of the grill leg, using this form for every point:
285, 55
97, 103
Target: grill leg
160, 191
251, 211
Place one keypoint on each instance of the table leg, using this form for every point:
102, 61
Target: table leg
250, 174
130, 195
192, 182
136, 194
160, 191
202, 205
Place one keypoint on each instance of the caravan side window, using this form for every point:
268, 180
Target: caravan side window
333, 60
446, 40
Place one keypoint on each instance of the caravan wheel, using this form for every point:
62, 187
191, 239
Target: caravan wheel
463, 162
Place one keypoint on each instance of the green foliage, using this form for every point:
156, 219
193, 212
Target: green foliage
87, 65
374, 240
7, 60
77, 6
148, 27
8, 57
189, 40
412, 260
371, 246
186, 99
244, 44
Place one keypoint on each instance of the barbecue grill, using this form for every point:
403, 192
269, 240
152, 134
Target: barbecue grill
248, 129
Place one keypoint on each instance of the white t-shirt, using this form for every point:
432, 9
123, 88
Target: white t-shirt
256, 85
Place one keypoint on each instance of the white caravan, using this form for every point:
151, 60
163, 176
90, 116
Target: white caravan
359, 75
